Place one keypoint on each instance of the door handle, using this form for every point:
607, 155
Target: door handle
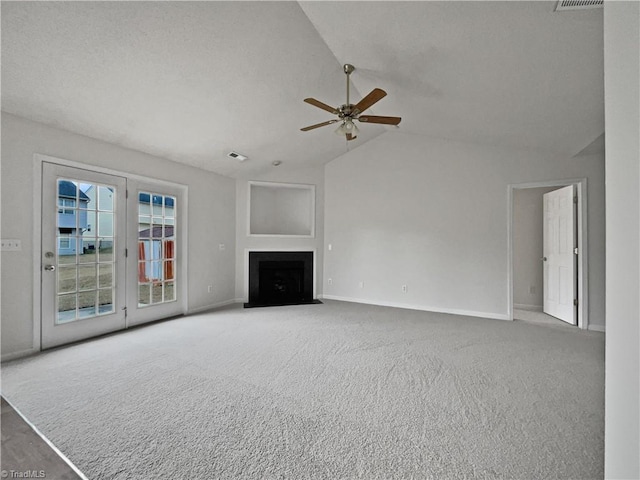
49, 268
544, 259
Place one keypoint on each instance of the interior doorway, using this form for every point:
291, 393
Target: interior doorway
559, 254
532, 283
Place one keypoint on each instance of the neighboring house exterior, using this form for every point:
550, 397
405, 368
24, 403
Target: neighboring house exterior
156, 238
96, 223
72, 217
99, 232
154, 245
146, 201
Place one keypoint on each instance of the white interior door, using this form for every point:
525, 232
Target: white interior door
83, 254
559, 242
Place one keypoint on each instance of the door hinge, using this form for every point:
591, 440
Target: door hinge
575, 250
126, 252
126, 194
575, 302
575, 199
124, 309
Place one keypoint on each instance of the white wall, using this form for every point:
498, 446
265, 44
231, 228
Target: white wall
211, 217
278, 210
527, 247
244, 242
432, 214
622, 120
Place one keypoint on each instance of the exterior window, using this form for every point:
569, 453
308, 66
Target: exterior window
64, 243
66, 205
156, 249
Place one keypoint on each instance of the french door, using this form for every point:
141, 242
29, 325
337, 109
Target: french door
110, 256
154, 217
83, 254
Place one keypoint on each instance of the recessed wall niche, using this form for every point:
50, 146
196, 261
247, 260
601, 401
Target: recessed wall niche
281, 209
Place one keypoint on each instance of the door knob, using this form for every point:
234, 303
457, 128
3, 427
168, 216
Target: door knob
49, 268
544, 259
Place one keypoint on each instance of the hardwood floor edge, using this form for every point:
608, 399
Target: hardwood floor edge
50, 444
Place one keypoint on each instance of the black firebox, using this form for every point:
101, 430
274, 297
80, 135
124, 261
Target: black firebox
280, 278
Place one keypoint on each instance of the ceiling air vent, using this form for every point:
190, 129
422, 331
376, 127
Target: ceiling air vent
237, 156
564, 5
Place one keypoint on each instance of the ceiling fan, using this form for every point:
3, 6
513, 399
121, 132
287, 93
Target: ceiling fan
348, 112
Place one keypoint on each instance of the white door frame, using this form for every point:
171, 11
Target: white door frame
583, 244
38, 160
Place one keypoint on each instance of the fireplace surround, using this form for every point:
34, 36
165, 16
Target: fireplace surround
280, 278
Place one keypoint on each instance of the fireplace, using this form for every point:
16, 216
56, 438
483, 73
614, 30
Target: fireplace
280, 278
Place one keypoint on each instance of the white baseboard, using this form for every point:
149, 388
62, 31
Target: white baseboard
22, 353
597, 328
212, 306
452, 311
530, 308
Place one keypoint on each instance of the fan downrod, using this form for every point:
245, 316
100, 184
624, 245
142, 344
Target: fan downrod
348, 68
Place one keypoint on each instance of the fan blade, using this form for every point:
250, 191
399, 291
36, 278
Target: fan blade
377, 119
375, 95
319, 104
350, 137
317, 125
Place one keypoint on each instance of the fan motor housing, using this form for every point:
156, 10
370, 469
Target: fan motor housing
347, 111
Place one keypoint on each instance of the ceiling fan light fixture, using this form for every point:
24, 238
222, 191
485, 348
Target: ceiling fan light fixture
347, 127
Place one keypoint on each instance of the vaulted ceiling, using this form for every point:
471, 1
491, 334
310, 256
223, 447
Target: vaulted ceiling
191, 81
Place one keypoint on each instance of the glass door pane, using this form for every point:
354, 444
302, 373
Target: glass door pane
156, 250
85, 263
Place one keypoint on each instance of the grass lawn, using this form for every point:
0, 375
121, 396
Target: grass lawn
78, 284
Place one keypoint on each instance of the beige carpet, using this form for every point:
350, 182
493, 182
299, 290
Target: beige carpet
539, 317
333, 391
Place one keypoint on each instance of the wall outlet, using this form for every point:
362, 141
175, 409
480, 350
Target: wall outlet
404, 289
329, 281
221, 246
329, 247
361, 284
210, 288
11, 245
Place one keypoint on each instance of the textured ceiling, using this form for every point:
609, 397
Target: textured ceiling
191, 81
